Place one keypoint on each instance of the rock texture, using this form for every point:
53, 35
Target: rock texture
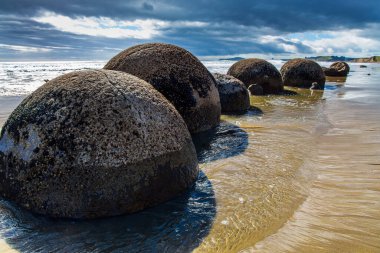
95, 143
331, 72
256, 90
234, 96
303, 73
179, 76
337, 69
257, 71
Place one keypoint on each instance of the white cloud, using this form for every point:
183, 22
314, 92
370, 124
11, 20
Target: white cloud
288, 45
25, 49
348, 42
110, 28
187, 24
342, 42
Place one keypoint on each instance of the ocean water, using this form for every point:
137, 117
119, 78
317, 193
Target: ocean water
22, 78
296, 173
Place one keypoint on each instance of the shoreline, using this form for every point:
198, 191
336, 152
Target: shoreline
8, 104
300, 176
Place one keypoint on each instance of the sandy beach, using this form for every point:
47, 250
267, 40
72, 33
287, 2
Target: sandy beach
295, 173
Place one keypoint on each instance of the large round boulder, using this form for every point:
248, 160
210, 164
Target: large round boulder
259, 72
330, 72
95, 143
339, 68
179, 76
255, 90
303, 73
234, 96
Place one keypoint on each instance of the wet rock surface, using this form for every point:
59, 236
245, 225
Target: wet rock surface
258, 71
95, 143
255, 90
337, 69
303, 73
234, 96
179, 76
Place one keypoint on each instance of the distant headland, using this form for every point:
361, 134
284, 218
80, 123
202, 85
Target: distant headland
331, 58
232, 59
343, 58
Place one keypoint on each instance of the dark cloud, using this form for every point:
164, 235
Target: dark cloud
147, 6
290, 15
233, 27
52, 44
22, 31
300, 47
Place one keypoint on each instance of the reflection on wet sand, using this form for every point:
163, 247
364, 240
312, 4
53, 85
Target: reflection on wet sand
334, 149
341, 213
259, 189
336, 79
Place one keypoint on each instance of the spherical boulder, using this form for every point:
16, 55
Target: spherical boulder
95, 143
255, 90
234, 96
303, 73
339, 68
257, 71
330, 72
179, 76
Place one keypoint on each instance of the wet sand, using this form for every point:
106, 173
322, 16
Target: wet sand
341, 212
7, 105
310, 179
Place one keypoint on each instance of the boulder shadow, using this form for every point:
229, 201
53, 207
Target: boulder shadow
226, 140
178, 225
252, 111
284, 92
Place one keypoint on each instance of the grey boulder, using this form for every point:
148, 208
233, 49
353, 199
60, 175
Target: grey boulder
95, 143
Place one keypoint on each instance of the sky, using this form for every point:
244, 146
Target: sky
99, 29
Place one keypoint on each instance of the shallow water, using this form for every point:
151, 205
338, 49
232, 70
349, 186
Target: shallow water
297, 173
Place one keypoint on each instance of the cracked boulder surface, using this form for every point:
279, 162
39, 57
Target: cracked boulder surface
234, 96
339, 68
303, 73
95, 143
179, 76
259, 72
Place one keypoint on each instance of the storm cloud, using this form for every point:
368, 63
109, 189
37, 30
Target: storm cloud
98, 29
